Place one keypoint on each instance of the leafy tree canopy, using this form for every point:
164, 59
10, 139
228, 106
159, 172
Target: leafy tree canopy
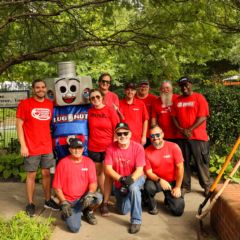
130, 39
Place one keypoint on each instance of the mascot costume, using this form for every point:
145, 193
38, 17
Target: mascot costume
70, 94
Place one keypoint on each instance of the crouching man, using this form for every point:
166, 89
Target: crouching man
124, 163
164, 170
75, 184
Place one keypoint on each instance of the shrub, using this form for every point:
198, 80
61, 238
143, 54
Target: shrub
23, 227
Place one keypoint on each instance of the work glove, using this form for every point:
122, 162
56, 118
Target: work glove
66, 209
126, 181
88, 199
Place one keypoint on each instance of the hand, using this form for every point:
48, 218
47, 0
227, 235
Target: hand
126, 181
165, 185
176, 192
187, 133
88, 199
66, 209
24, 151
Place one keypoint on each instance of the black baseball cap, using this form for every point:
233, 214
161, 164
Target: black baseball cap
75, 143
122, 125
184, 80
130, 85
144, 82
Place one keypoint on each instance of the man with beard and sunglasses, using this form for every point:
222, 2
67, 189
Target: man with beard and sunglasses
124, 163
190, 113
164, 170
33, 128
161, 111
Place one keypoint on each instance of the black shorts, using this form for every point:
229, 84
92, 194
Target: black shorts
97, 157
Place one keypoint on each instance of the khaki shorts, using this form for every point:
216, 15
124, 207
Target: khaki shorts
32, 163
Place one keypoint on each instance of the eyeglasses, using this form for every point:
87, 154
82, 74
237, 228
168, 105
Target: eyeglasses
93, 97
119, 134
155, 135
104, 81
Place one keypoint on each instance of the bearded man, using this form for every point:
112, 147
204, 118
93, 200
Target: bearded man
161, 111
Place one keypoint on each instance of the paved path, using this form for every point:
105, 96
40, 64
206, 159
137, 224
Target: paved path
159, 227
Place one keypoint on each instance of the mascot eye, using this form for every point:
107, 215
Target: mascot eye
73, 88
63, 89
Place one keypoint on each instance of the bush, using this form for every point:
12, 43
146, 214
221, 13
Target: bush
11, 166
23, 227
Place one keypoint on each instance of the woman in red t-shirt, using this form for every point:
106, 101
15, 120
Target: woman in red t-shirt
102, 120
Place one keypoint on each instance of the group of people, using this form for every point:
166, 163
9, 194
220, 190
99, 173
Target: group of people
137, 147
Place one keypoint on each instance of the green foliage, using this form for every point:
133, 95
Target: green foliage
22, 227
11, 166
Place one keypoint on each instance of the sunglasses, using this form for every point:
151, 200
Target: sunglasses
93, 97
104, 81
119, 134
155, 135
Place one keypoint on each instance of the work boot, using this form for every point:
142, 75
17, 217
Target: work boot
104, 210
90, 217
134, 228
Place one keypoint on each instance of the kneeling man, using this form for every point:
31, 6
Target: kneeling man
75, 184
164, 170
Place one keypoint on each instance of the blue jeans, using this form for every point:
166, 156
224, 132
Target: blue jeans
74, 221
132, 202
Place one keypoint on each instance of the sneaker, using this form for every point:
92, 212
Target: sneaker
153, 211
134, 228
30, 210
90, 217
51, 204
104, 209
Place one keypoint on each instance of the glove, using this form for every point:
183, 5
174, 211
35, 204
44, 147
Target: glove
88, 199
66, 209
126, 181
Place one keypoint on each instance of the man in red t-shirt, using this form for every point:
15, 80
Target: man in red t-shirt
148, 99
33, 128
75, 183
161, 111
124, 163
164, 170
135, 114
190, 113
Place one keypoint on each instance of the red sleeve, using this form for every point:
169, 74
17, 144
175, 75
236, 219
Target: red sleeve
145, 113
203, 106
108, 156
148, 164
92, 177
21, 110
113, 117
140, 156
177, 154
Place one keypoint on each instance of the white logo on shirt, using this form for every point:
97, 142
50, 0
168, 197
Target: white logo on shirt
42, 114
185, 104
85, 169
167, 156
136, 109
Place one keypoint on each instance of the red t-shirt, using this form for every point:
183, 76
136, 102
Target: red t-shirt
74, 178
111, 98
149, 100
135, 114
187, 109
125, 161
102, 123
163, 161
164, 118
36, 118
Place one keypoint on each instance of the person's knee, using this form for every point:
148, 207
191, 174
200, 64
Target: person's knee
149, 187
73, 227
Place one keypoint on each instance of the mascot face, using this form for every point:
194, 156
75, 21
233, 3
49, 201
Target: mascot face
67, 91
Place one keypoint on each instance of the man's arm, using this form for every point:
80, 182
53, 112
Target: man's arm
111, 173
137, 173
176, 192
19, 125
92, 187
144, 132
60, 194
